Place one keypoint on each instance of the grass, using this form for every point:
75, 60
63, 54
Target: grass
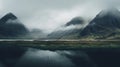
64, 44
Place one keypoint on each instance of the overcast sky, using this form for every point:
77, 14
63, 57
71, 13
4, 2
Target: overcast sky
49, 14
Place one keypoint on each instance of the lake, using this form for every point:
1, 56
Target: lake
17, 56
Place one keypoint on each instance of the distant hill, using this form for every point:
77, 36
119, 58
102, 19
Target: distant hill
72, 33
75, 21
10, 26
37, 34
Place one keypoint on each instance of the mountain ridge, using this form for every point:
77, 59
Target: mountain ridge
10, 29
103, 26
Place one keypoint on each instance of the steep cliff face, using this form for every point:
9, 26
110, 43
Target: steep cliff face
105, 24
10, 26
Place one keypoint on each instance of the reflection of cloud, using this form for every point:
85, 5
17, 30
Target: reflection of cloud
2, 65
81, 59
46, 58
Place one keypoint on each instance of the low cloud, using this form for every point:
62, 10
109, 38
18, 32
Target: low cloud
48, 15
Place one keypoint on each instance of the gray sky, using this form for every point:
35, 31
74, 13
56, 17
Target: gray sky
49, 14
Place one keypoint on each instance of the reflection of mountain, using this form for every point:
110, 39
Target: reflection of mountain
71, 30
10, 26
105, 24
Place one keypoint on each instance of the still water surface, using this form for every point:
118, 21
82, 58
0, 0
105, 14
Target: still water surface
14, 56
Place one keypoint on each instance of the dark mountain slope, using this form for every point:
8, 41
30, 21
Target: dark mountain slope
10, 26
7, 17
104, 25
75, 21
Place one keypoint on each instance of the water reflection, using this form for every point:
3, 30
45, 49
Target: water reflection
47, 58
1, 64
44, 58
14, 56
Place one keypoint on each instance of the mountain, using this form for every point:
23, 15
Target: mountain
10, 26
37, 33
75, 21
105, 25
7, 17
70, 30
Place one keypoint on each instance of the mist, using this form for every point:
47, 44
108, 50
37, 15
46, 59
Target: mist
48, 15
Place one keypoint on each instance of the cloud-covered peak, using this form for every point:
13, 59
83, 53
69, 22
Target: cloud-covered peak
75, 21
109, 11
8, 16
